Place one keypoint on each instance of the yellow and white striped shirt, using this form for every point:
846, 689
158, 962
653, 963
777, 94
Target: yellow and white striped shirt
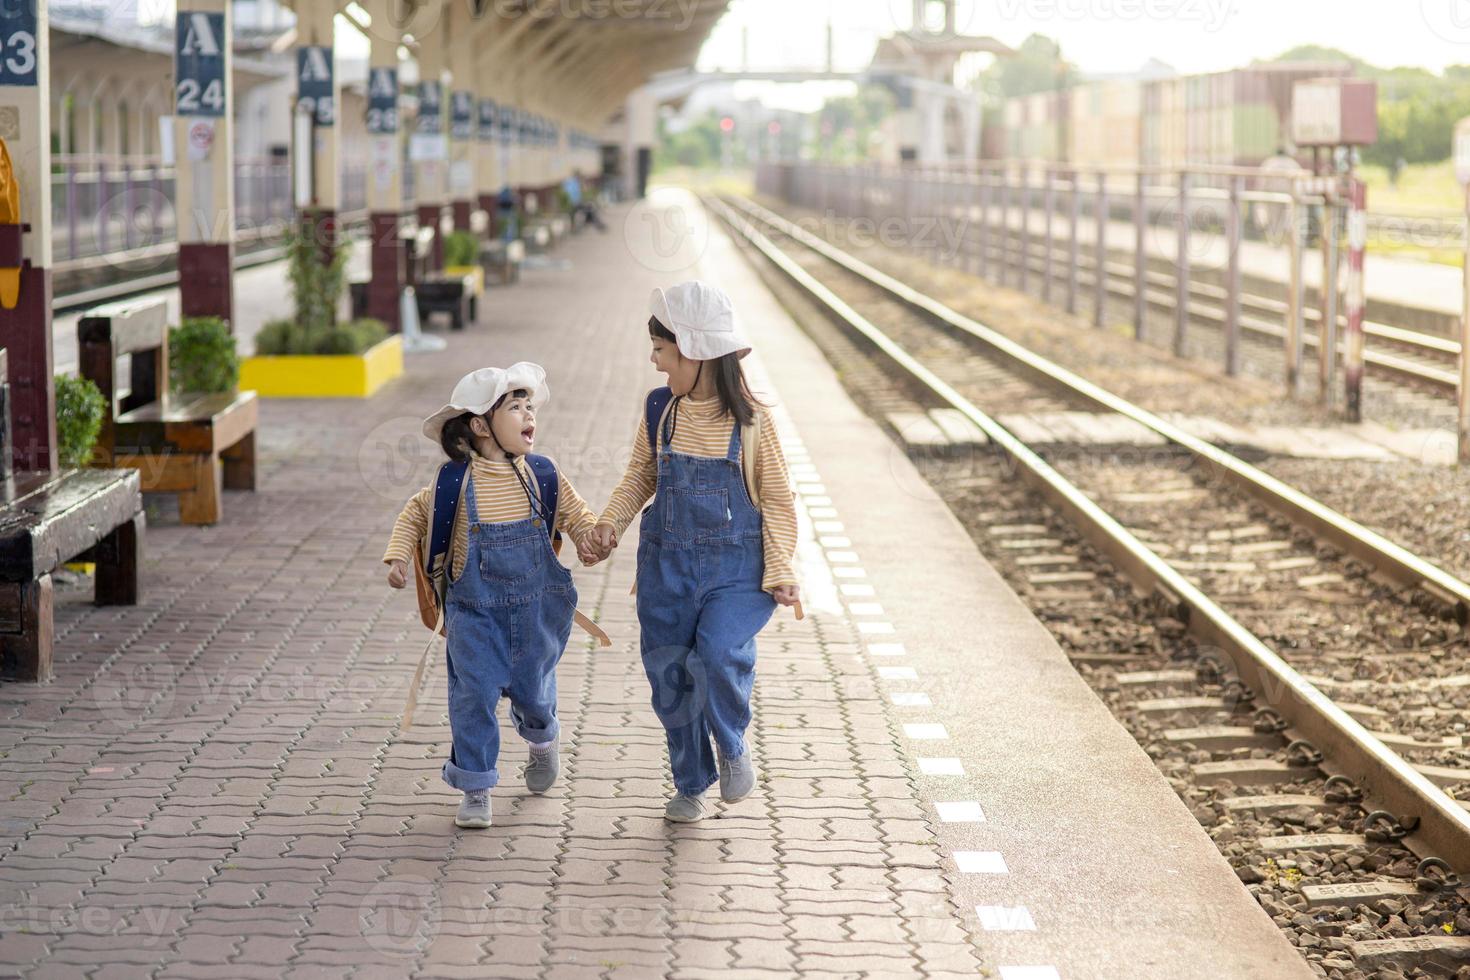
702, 429
499, 499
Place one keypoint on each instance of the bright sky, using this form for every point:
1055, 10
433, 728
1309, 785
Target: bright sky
1112, 35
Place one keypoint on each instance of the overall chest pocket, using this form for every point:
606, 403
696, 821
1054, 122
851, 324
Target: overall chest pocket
511, 564
697, 513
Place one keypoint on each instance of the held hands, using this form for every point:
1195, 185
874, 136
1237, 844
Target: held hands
599, 542
397, 574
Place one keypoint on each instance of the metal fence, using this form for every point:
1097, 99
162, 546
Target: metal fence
1197, 260
117, 208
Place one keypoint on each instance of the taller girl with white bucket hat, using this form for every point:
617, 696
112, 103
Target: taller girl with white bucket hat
715, 549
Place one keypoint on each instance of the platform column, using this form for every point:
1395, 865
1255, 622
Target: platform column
25, 237
318, 96
429, 146
385, 178
487, 158
460, 24
203, 142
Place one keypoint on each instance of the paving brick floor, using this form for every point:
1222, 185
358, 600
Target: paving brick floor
221, 781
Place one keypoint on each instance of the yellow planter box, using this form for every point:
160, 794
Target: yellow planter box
324, 375
469, 270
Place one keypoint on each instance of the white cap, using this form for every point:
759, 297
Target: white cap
479, 390
701, 318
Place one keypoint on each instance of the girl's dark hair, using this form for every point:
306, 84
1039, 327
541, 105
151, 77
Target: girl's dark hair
456, 439
736, 398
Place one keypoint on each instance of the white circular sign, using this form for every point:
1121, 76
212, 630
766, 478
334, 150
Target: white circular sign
201, 135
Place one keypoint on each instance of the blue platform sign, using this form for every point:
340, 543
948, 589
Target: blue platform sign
462, 114
489, 119
505, 124
431, 108
314, 84
19, 56
199, 64
382, 110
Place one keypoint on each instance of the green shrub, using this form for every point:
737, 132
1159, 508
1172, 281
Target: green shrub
286, 337
461, 248
278, 337
368, 333
201, 354
79, 408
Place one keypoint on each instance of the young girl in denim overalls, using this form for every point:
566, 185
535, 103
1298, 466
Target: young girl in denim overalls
510, 602
714, 554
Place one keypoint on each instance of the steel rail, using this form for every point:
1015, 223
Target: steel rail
1443, 826
1347, 535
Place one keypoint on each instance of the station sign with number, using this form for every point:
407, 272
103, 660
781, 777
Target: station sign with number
199, 64
431, 99
382, 110
314, 84
461, 114
19, 55
489, 119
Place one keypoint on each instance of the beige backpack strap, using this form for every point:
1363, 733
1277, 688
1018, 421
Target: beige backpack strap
750, 449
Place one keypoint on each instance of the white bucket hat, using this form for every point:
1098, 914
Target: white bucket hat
701, 318
479, 390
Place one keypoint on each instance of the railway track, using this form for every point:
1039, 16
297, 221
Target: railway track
1299, 678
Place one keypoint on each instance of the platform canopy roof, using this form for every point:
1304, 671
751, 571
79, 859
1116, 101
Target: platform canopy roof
576, 60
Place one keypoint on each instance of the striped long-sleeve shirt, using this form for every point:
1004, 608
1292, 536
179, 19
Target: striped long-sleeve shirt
499, 499
702, 429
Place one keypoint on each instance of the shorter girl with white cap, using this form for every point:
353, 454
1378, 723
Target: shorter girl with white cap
508, 604
714, 550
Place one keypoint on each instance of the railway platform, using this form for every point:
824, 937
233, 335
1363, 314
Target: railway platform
227, 779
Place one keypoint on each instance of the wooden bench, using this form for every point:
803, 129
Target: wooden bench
455, 295
47, 518
502, 259
176, 443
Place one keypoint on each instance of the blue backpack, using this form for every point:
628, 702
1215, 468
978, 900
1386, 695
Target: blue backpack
431, 571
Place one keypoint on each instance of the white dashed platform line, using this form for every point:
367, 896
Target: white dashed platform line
981, 863
959, 811
941, 767
1005, 918
832, 551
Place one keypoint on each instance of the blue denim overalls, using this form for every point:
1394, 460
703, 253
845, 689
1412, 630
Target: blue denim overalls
700, 606
507, 618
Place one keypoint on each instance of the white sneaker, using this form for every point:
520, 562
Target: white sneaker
475, 810
685, 809
737, 777
542, 768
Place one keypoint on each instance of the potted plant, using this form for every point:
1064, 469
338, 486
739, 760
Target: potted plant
79, 410
462, 258
201, 357
311, 354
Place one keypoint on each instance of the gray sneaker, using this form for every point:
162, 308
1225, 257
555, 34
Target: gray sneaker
737, 777
685, 809
475, 810
542, 768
